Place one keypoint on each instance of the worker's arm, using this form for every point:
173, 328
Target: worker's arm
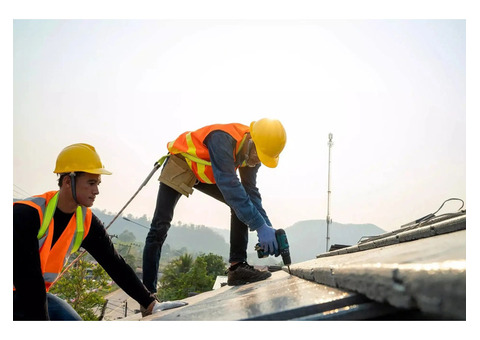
98, 244
248, 177
30, 297
221, 147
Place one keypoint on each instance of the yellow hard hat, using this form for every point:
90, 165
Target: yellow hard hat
80, 157
270, 138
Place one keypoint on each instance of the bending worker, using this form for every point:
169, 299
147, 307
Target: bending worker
47, 228
207, 159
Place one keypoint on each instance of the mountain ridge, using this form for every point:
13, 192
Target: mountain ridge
306, 238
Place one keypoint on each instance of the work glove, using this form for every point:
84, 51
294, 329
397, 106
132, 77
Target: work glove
156, 306
267, 239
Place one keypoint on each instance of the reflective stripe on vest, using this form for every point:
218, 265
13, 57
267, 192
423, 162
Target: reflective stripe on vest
49, 212
49, 278
193, 160
68, 242
190, 145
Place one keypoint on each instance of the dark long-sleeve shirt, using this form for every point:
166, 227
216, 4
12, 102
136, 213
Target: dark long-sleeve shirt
30, 294
241, 195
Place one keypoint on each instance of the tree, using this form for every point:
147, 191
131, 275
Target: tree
173, 275
215, 265
81, 287
183, 276
127, 236
184, 263
196, 279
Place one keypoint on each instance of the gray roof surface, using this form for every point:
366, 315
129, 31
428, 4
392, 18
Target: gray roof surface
402, 277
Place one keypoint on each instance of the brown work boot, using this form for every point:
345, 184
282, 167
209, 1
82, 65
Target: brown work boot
242, 273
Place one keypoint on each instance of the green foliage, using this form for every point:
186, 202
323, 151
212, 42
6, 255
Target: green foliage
127, 237
81, 286
184, 276
215, 265
184, 263
130, 250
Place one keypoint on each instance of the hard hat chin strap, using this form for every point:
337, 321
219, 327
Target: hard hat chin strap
73, 183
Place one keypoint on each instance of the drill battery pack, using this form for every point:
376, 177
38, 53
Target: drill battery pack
283, 248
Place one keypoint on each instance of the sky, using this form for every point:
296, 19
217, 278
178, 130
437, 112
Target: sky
392, 93
388, 79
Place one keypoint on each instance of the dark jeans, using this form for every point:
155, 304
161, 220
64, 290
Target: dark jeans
166, 201
58, 310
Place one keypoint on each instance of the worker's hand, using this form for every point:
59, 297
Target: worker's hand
156, 306
267, 239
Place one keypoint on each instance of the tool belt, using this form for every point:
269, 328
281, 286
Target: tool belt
177, 175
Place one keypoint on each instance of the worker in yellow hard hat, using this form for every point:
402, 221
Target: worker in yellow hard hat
47, 228
208, 159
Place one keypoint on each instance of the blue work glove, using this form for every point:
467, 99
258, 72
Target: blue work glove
267, 239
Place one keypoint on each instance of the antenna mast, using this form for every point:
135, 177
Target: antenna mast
329, 220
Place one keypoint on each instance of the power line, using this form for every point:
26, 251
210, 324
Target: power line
22, 193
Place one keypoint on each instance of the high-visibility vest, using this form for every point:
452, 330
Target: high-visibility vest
52, 259
190, 145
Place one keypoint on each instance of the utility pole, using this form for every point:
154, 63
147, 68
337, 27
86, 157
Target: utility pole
329, 220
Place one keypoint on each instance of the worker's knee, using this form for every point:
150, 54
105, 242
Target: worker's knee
158, 233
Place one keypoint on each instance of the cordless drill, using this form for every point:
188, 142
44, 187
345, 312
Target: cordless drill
283, 248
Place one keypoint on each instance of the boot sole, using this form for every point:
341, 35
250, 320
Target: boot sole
243, 282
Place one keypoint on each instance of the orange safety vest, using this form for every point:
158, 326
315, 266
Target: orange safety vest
190, 145
52, 259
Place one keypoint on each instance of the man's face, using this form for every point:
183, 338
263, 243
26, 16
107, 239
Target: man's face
87, 188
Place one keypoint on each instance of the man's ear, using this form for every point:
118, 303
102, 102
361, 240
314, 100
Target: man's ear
67, 181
